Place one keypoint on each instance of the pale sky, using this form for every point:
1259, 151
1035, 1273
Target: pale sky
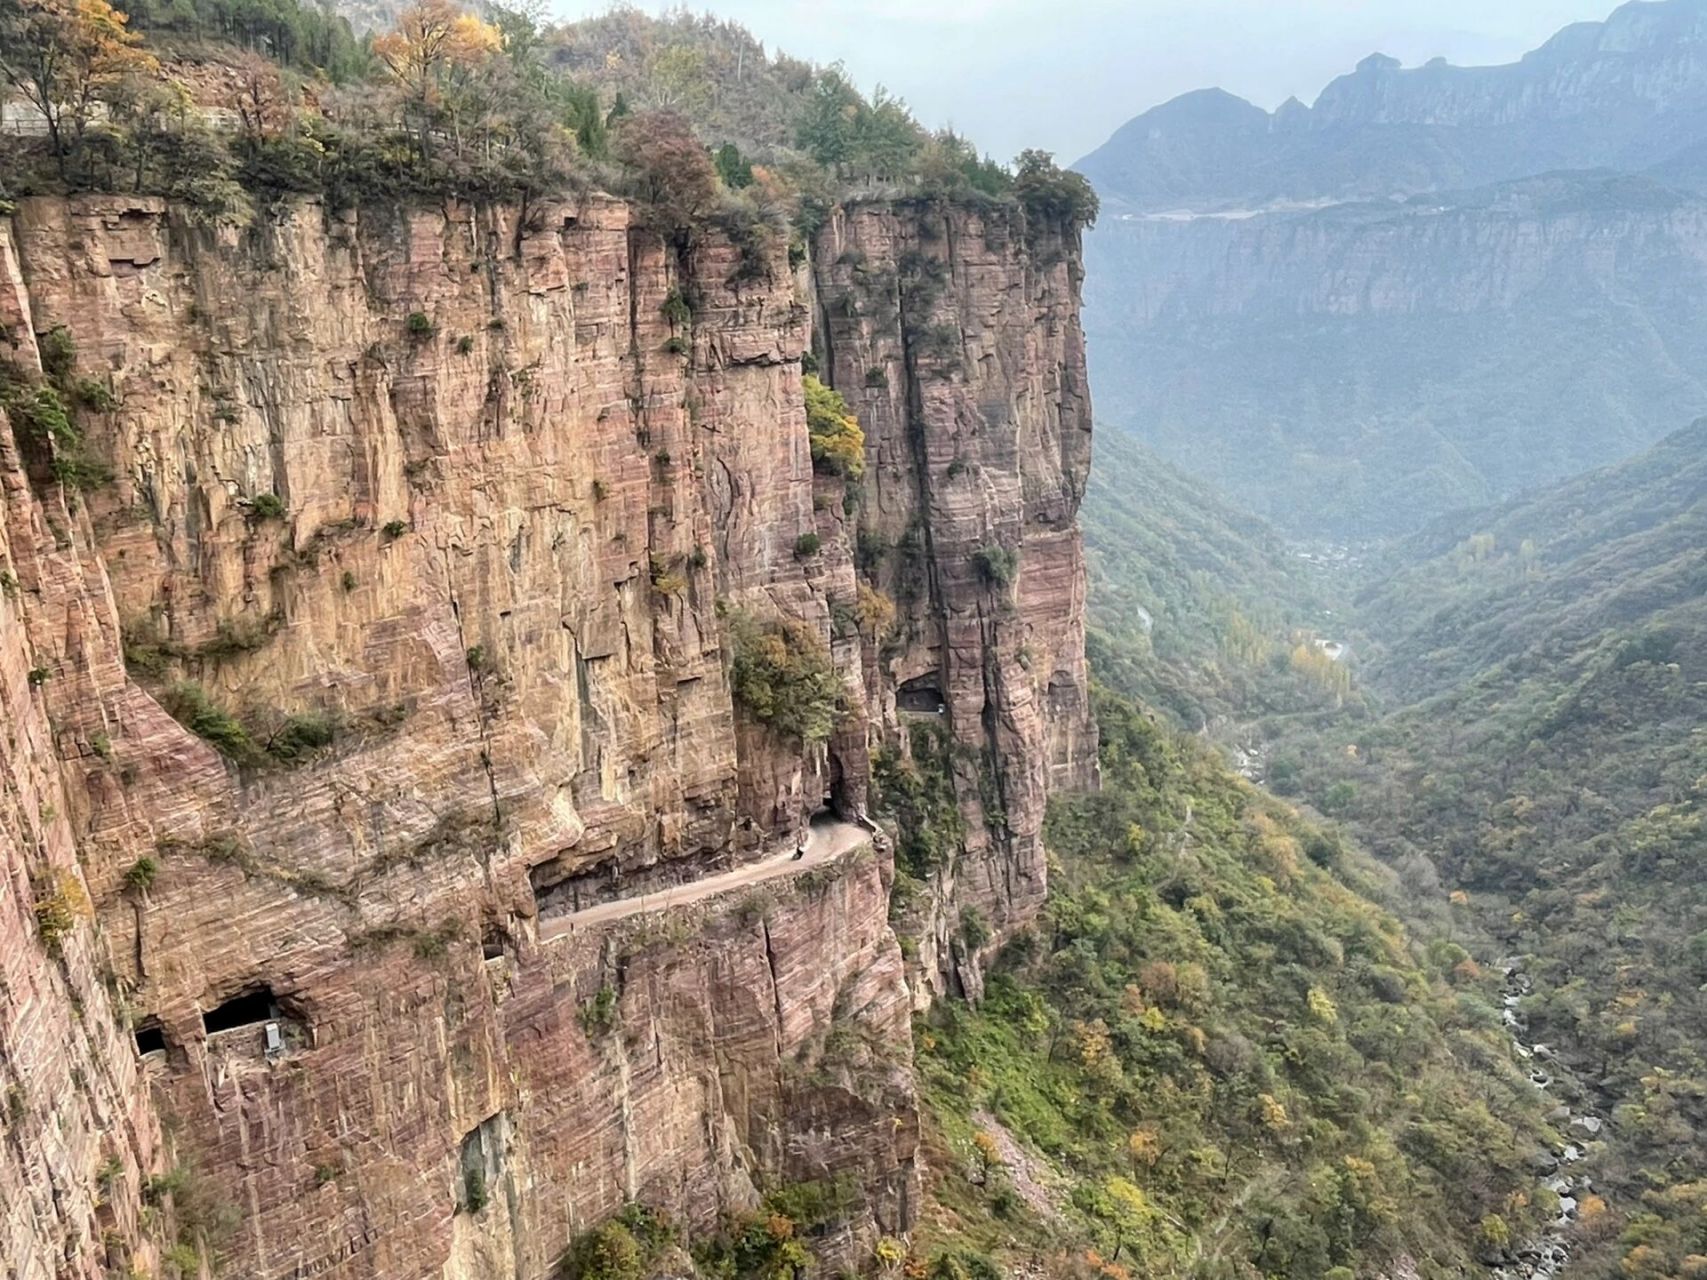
1064, 74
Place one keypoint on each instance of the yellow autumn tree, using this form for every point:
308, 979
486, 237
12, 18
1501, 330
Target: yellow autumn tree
1322, 1007
1133, 1220
838, 442
890, 1254
1315, 664
64, 57
1144, 1145
434, 42
876, 612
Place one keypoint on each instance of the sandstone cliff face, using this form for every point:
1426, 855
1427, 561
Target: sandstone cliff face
474, 491
79, 1134
958, 342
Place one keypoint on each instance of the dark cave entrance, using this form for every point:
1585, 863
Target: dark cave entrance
921, 696
150, 1038
248, 1008
835, 804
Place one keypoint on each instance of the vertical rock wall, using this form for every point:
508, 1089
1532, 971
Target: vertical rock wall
955, 334
473, 489
77, 1134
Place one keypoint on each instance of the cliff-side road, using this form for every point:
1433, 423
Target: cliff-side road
826, 841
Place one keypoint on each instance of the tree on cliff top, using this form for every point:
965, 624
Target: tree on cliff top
841, 129
433, 52
64, 57
1052, 193
673, 174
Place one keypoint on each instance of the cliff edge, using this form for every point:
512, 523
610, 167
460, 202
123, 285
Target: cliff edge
393, 595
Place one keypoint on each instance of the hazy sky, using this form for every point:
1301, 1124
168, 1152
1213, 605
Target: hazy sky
1063, 74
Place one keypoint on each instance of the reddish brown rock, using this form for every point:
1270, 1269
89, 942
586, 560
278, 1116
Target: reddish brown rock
517, 492
955, 335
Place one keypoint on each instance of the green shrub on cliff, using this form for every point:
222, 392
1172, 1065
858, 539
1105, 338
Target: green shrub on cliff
189, 704
609, 1252
44, 421
838, 443
781, 674
916, 793
996, 564
279, 739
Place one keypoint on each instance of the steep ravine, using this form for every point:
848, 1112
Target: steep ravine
1548, 1254
477, 497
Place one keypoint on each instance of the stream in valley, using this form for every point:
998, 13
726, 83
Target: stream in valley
1547, 1254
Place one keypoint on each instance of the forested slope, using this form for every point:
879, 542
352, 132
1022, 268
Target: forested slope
1544, 666
1214, 1056
1198, 608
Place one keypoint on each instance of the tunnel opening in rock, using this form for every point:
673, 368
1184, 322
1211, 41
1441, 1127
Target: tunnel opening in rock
922, 695
249, 1008
150, 1038
834, 802
493, 943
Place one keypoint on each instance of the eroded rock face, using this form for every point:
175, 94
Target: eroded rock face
474, 490
80, 1135
955, 335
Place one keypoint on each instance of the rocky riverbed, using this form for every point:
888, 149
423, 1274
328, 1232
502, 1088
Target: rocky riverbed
1547, 1254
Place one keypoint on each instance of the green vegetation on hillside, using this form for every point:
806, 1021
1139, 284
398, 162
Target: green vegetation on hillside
1196, 608
1216, 1058
229, 104
1544, 761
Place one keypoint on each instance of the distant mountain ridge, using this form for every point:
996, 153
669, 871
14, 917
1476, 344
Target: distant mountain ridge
1351, 371
1626, 93
1434, 289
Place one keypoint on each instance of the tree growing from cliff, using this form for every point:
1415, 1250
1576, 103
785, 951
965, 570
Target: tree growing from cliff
782, 675
838, 443
65, 57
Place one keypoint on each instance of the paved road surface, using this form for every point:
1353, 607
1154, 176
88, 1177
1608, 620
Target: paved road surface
826, 841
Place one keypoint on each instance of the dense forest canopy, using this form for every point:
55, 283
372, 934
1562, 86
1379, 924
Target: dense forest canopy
1527, 750
230, 104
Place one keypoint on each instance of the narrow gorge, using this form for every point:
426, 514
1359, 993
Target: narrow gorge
415, 619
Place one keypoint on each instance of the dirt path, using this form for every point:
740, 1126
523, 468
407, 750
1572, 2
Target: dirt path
825, 842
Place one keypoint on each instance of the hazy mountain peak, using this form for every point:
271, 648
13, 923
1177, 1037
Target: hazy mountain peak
1378, 62
1628, 92
1205, 106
